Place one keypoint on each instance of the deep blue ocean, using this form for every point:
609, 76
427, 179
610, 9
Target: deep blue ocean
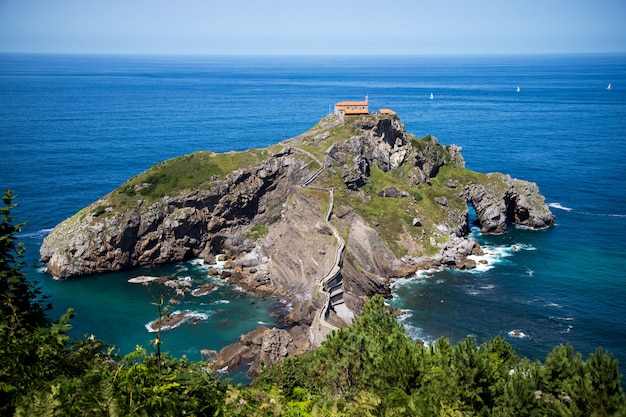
73, 128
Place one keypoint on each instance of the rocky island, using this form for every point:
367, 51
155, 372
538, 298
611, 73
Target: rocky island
325, 219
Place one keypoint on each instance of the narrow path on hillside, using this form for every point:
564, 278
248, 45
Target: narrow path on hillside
320, 328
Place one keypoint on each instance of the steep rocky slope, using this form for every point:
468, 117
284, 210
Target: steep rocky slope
325, 219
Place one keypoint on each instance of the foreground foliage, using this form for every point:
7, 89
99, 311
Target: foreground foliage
374, 369
370, 369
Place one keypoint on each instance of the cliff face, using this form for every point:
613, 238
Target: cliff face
172, 228
326, 219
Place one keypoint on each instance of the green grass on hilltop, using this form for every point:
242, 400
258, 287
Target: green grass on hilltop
196, 171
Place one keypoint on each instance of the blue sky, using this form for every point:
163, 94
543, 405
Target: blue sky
312, 27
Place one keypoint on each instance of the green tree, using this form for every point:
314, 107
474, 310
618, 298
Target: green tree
374, 354
130, 386
602, 393
21, 304
22, 314
33, 348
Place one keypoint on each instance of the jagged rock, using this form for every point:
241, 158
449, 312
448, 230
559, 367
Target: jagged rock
384, 144
466, 263
233, 356
391, 144
172, 229
254, 337
455, 250
431, 157
262, 347
356, 176
349, 155
250, 259
204, 290
505, 200
451, 183
392, 192
208, 257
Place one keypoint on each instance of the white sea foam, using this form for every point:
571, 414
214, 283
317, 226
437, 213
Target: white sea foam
483, 263
496, 255
562, 318
478, 290
473, 291
492, 255
219, 264
400, 282
517, 333
200, 292
222, 302
192, 316
414, 332
587, 213
198, 263
38, 234
417, 333
559, 206
406, 314
420, 277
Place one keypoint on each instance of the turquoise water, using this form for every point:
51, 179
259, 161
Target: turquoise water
76, 127
117, 311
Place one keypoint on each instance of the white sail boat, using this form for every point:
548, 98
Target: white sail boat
518, 89
431, 96
608, 87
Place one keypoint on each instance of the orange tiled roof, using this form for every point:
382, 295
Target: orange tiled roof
352, 103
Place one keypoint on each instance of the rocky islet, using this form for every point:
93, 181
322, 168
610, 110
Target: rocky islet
325, 220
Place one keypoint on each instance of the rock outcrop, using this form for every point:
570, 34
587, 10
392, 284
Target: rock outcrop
173, 228
261, 348
506, 200
325, 220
